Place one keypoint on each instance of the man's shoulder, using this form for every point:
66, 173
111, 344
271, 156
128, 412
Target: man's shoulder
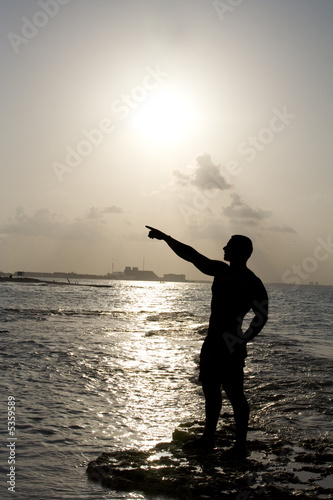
252, 275
255, 281
220, 267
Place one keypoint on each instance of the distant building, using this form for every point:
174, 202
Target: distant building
134, 273
174, 277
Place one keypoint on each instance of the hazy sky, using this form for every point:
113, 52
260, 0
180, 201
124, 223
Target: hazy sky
201, 118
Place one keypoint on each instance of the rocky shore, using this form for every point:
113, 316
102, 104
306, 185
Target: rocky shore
274, 469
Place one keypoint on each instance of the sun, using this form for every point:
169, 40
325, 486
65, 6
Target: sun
166, 116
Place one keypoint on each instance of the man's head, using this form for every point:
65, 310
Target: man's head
238, 249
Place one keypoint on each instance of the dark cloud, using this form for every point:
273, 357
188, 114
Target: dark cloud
205, 175
239, 211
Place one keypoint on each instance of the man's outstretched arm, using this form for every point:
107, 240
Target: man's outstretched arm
204, 264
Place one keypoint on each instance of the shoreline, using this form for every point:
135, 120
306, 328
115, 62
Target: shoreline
22, 281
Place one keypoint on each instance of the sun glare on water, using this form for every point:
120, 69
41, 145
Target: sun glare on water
166, 116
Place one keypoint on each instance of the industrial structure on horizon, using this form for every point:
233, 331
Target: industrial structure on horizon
129, 273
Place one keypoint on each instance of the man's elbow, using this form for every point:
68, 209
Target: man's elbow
263, 324
263, 320
260, 321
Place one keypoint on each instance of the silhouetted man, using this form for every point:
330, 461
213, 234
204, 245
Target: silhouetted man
235, 291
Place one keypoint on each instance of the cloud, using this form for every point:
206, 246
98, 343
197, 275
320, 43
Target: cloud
97, 213
52, 225
93, 213
42, 222
240, 212
113, 210
282, 229
205, 175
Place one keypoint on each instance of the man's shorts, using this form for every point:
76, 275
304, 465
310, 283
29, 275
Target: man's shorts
217, 365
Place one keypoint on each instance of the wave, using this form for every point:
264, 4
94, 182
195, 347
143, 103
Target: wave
12, 314
166, 321
171, 316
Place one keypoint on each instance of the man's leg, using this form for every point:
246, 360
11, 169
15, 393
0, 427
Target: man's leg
213, 396
213, 405
235, 392
211, 384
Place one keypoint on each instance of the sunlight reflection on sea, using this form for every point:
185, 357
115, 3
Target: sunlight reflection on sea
97, 370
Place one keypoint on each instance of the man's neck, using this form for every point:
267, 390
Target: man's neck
238, 265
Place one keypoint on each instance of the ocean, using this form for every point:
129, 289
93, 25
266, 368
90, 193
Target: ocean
89, 370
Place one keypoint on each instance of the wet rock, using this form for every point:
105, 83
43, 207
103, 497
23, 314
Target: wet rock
169, 470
